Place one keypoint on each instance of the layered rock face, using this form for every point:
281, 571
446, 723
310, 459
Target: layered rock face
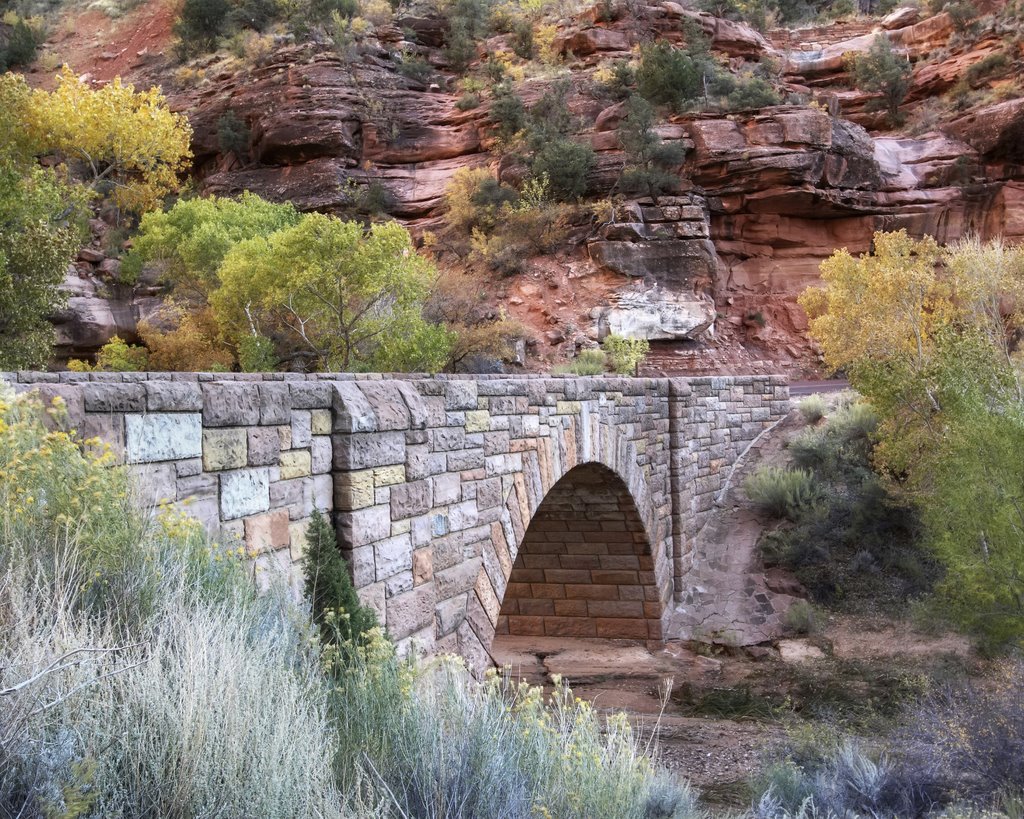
763, 197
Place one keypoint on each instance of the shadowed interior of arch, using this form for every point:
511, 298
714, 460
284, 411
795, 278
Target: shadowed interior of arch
584, 568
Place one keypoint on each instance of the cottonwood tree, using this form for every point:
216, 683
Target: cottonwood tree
928, 336
126, 145
352, 299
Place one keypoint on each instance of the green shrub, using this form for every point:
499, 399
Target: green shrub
256, 354
23, 41
751, 92
507, 113
782, 493
626, 354
649, 160
587, 362
232, 134
522, 39
672, 76
801, 618
337, 611
416, 69
812, 408
566, 166
468, 101
200, 24
882, 70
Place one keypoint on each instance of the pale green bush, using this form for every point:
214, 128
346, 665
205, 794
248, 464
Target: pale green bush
782, 493
812, 408
587, 362
626, 354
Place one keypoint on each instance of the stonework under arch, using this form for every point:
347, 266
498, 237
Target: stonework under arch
585, 566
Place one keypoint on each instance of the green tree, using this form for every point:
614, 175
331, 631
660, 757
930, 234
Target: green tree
193, 237
649, 160
928, 336
336, 608
41, 229
673, 76
200, 24
328, 289
883, 71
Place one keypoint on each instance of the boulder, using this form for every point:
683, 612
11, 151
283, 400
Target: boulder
657, 314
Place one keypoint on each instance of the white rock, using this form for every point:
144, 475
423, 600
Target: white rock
244, 492
163, 436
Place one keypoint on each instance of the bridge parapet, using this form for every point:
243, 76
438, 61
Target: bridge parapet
433, 482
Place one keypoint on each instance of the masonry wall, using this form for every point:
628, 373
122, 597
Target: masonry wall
433, 482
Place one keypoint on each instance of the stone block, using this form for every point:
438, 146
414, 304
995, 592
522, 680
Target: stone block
295, 463
188, 467
197, 486
297, 539
302, 428
226, 448
204, 510
323, 492
460, 395
422, 566
321, 454
398, 583
374, 597
321, 422
173, 396
162, 437
447, 489
362, 450
155, 484
244, 492
284, 436
275, 403
389, 406
421, 463
352, 412
410, 499
411, 612
354, 490
450, 614
64, 404
478, 421
361, 564
388, 475
459, 578
108, 429
364, 526
264, 445
310, 394
393, 555
101, 397
227, 404
267, 531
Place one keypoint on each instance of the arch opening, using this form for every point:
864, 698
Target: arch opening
585, 566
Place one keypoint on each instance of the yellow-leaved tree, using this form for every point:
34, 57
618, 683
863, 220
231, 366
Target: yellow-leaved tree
126, 144
929, 336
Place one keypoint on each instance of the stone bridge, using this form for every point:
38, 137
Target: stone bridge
466, 506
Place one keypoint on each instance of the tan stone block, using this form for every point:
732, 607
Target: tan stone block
297, 541
422, 566
267, 531
285, 434
354, 490
320, 421
478, 421
568, 407
295, 463
388, 475
226, 448
401, 527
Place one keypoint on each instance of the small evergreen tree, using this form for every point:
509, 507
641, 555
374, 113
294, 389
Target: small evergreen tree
336, 607
884, 71
649, 160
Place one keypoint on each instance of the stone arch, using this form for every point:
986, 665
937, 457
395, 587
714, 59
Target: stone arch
585, 566
585, 441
